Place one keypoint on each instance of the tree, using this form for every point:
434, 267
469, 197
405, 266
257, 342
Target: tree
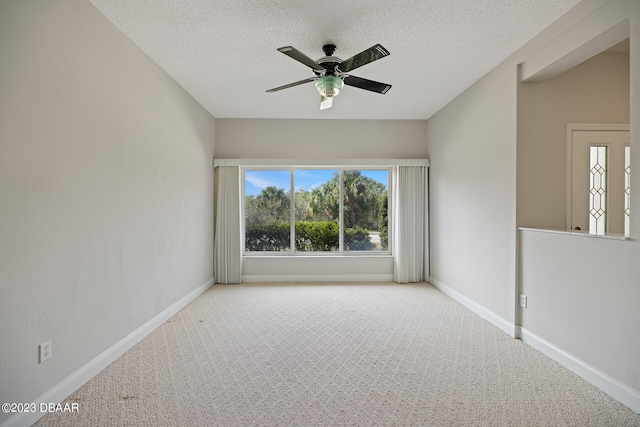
324, 201
271, 206
361, 200
304, 212
383, 220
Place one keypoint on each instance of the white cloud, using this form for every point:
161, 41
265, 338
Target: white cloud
258, 181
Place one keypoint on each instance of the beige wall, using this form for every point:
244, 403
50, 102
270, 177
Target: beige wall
320, 139
105, 191
596, 91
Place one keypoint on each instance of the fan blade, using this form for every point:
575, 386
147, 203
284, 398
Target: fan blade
294, 53
372, 54
301, 82
326, 103
365, 84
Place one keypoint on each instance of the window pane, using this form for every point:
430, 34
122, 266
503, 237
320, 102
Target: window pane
267, 210
365, 202
598, 190
317, 210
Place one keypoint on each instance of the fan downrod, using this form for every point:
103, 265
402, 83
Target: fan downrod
329, 49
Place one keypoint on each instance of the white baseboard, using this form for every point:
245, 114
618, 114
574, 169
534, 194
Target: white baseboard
306, 278
614, 388
488, 315
76, 380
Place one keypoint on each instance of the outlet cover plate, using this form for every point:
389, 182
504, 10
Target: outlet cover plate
523, 301
45, 351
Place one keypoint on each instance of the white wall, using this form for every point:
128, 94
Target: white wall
583, 293
106, 191
318, 269
582, 296
596, 91
320, 139
471, 147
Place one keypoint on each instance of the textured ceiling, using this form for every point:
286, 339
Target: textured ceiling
223, 52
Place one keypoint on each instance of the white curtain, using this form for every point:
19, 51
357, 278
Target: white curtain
411, 226
228, 226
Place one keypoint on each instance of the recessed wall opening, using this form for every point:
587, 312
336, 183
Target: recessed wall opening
596, 91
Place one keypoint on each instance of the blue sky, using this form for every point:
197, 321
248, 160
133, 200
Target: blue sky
305, 179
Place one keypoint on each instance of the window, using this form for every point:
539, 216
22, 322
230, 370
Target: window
627, 190
598, 189
267, 208
598, 194
317, 213
599, 203
316, 210
365, 204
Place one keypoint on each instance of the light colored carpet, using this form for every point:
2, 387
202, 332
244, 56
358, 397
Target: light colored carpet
335, 354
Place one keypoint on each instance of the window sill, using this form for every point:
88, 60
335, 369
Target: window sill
610, 236
316, 256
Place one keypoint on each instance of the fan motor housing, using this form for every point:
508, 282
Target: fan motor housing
330, 63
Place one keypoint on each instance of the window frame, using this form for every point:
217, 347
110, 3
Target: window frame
340, 252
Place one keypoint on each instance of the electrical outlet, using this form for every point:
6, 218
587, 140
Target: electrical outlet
46, 351
523, 301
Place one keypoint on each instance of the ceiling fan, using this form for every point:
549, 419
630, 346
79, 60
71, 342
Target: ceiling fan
331, 72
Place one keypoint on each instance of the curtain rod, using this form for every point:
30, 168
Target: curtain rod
320, 162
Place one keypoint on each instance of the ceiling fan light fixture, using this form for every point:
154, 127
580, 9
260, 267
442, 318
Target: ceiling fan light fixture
329, 86
331, 72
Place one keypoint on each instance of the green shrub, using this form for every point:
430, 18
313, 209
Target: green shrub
323, 236
357, 239
317, 236
272, 237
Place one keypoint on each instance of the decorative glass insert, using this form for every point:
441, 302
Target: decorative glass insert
627, 188
598, 190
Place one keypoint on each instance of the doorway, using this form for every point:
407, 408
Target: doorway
598, 171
